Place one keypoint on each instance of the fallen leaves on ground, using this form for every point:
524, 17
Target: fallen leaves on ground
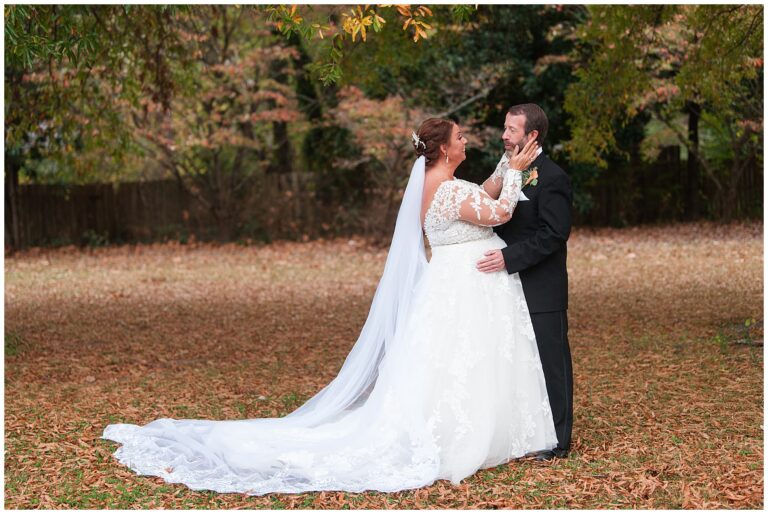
668, 406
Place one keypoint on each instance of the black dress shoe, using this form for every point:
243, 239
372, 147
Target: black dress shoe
546, 455
551, 454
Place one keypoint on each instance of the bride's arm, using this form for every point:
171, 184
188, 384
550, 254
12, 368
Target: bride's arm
514, 160
493, 183
479, 208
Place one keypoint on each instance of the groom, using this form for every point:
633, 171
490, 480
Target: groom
536, 239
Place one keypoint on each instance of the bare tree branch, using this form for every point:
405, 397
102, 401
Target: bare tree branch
451, 110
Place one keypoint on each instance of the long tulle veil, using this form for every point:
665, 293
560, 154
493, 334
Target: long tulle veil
405, 264
260, 455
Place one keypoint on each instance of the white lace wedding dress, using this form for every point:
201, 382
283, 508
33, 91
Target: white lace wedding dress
453, 383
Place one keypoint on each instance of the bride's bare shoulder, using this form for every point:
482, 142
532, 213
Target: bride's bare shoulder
432, 181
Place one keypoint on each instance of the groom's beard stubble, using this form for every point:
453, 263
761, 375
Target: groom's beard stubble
519, 144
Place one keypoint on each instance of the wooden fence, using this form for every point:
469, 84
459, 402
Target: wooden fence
284, 206
278, 207
656, 193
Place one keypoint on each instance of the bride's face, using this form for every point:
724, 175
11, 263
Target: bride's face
457, 147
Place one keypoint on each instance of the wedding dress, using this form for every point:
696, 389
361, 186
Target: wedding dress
445, 378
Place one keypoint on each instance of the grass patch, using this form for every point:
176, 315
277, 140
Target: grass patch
14, 344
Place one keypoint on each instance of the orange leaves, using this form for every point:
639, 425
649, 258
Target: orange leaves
287, 16
405, 11
227, 331
415, 20
381, 128
227, 95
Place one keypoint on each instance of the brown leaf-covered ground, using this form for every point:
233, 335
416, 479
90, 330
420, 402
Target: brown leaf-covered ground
668, 379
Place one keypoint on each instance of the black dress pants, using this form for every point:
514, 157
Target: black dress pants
551, 329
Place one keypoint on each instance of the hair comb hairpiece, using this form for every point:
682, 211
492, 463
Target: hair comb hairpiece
417, 141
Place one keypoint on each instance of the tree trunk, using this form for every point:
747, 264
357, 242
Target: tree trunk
692, 185
283, 156
225, 230
731, 195
13, 161
224, 217
731, 205
13, 238
309, 102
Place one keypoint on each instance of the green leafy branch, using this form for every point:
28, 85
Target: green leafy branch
359, 21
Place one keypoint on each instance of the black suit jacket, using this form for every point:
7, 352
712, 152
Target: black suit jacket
536, 238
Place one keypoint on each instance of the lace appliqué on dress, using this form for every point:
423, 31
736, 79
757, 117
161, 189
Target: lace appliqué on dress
443, 223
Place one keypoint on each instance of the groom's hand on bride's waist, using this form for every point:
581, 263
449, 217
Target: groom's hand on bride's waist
492, 262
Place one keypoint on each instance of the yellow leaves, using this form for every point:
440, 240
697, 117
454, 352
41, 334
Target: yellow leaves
356, 22
295, 17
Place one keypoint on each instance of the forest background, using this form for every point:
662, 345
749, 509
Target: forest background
138, 123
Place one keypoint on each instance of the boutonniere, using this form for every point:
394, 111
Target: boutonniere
531, 176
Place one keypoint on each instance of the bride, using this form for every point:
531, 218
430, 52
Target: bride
445, 378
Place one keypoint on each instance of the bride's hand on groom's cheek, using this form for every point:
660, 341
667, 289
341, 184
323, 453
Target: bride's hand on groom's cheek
522, 160
492, 262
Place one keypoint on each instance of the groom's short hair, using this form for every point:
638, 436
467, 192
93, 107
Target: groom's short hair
535, 119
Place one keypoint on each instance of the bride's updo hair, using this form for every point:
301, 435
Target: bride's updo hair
433, 133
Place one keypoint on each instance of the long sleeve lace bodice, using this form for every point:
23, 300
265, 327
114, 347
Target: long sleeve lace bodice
462, 211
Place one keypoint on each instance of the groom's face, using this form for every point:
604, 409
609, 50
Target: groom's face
514, 132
